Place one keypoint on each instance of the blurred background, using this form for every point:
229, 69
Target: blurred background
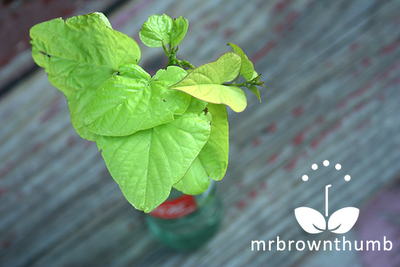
332, 70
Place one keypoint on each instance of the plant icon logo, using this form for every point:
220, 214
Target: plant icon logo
313, 222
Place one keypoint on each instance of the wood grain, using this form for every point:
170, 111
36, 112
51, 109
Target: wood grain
332, 70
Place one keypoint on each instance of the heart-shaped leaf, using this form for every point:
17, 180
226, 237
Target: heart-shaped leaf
214, 155
179, 29
195, 181
159, 28
212, 161
125, 105
133, 71
247, 68
147, 163
341, 221
79, 55
255, 91
206, 82
312, 221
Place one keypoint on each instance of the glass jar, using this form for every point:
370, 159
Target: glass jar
185, 222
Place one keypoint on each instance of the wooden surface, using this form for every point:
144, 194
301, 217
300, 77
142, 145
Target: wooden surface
333, 72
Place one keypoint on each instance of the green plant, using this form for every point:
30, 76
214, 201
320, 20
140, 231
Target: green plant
155, 133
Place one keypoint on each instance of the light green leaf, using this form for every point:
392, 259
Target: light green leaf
79, 55
255, 75
214, 155
207, 82
156, 29
133, 71
147, 163
255, 91
125, 105
180, 27
212, 161
195, 181
176, 102
247, 68
159, 28
196, 106
104, 19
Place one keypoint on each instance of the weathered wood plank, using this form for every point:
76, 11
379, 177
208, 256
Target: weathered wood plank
332, 69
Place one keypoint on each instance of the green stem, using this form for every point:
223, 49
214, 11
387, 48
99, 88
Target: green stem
170, 52
166, 50
179, 63
186, 64
247, 83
